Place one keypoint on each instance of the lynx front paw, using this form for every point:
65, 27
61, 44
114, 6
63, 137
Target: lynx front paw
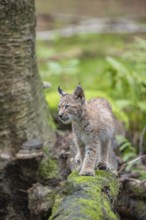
88, 172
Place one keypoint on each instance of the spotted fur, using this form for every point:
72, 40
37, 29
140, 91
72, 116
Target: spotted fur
92, 127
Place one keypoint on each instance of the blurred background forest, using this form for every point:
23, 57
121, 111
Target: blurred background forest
102, 45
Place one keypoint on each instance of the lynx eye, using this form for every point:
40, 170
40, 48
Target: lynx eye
66, 106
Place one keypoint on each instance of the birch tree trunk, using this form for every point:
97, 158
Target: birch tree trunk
23, 111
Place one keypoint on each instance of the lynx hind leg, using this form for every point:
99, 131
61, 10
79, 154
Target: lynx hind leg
114, 162
107, 153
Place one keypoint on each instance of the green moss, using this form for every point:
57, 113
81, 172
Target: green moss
91, 208
110, 214
108, 177
48, 168
56, 207
87, 197
94, 211
141, 171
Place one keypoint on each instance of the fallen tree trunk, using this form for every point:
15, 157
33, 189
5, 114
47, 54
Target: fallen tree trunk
87, 197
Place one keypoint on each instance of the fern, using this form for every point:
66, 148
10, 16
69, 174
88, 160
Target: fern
129, 82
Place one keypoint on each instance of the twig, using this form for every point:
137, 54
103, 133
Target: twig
130, 162
138, 158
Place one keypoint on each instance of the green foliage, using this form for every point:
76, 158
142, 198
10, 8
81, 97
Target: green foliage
129, 155
78, 59
127, 150
129, 82
63, 67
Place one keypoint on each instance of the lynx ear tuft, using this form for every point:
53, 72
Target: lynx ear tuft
61, 92
79, 94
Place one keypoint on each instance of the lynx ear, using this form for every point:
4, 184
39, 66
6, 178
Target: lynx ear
79, 94
61, 92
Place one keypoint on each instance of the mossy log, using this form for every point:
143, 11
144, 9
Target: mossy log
87, 197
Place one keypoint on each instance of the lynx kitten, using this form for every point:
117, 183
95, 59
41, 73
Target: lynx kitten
92, 126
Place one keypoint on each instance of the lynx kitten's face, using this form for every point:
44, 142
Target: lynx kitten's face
68, 109
70, 105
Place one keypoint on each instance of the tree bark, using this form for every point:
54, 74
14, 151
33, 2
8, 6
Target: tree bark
23, 112
86, 197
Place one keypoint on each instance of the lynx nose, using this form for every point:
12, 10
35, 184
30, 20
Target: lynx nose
60, 115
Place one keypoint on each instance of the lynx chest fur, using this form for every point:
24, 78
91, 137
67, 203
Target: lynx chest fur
92, 126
